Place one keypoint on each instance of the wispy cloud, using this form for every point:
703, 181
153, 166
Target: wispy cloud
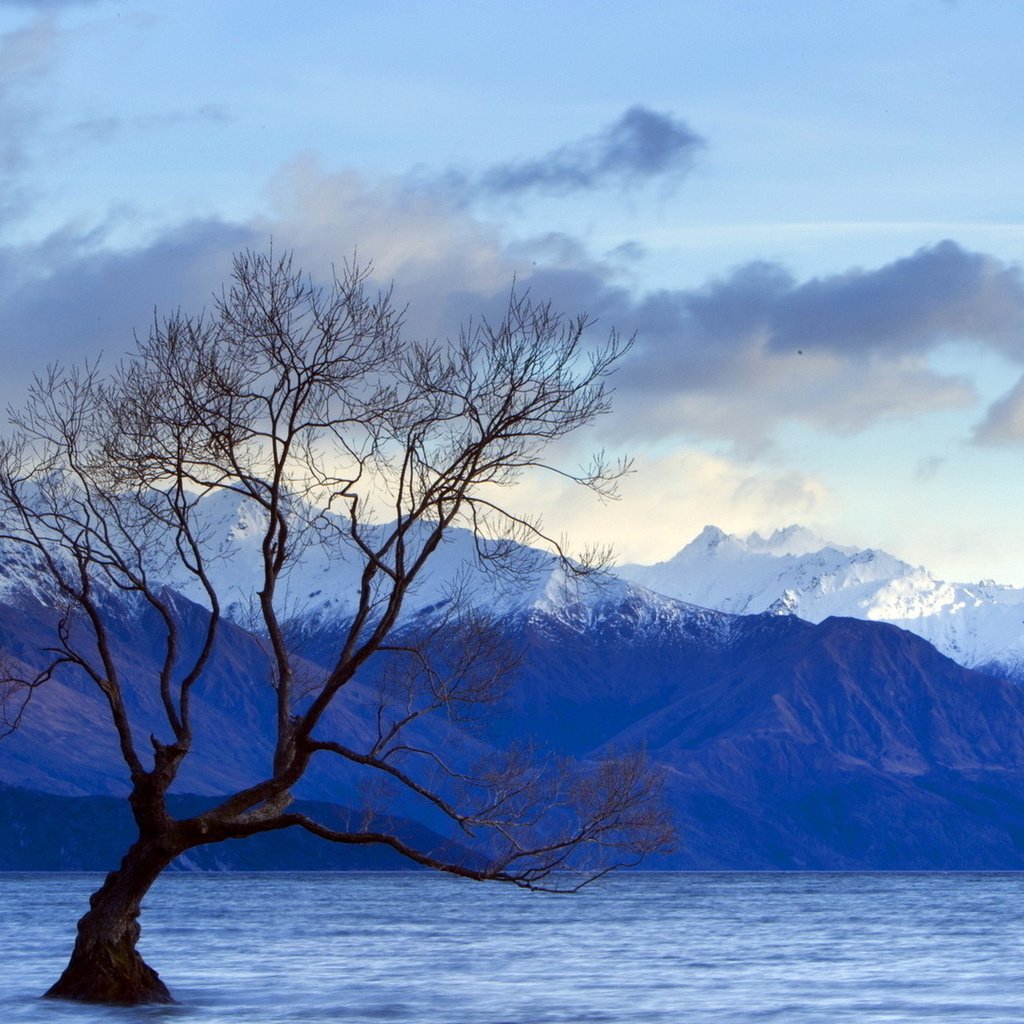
641, 145
46, 5
26, 55
106, 129
928, 468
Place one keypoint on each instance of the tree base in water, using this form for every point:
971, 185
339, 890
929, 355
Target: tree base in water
105, 966
111, 979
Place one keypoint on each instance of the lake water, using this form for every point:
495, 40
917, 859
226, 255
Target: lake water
425, 949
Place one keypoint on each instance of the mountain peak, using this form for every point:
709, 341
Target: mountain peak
789, 540
710, 537
793, 571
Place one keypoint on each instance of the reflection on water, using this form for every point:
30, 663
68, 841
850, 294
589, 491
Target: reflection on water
418, 948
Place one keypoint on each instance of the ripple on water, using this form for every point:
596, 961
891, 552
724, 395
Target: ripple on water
640, 948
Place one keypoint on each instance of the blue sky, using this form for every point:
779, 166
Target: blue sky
809, 213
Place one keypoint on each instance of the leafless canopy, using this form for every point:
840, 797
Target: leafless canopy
309, 404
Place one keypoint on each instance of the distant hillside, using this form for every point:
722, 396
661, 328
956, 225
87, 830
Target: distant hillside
43, 832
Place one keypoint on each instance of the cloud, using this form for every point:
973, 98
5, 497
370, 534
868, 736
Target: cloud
734, 359
1004, 422
928, 468
68, 297
62, 301
28, 133
908, 306
105, 129
731, 361
26, 56
642, 145
674, 496
939, 292
438, 255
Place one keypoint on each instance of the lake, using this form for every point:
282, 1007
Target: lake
417, 948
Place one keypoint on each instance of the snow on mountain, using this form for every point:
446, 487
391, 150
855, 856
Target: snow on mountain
791, 571
794, 572
321, 587
318, 580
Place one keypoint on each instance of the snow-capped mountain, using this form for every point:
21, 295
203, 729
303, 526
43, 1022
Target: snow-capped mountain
322, 585
784, 744
794, 572
320, 588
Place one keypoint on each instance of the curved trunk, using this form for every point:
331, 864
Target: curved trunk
105, 966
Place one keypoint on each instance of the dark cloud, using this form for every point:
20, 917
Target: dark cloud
643, 145
941, 292
905, 307
63, 302
734, 359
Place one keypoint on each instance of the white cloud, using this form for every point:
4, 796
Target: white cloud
670, 498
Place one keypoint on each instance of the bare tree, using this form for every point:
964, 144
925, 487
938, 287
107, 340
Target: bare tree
309, 404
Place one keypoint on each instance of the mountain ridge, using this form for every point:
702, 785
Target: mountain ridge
980, 625
785, 743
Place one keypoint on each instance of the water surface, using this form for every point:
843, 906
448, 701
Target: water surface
424, 949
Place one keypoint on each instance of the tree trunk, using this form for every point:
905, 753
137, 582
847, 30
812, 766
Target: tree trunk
105, 966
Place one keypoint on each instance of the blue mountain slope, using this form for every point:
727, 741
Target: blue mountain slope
846, 744
843, 745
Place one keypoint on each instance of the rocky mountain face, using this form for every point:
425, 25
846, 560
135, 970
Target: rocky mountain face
980, 625
785, 743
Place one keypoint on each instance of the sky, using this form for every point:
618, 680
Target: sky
809, 214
